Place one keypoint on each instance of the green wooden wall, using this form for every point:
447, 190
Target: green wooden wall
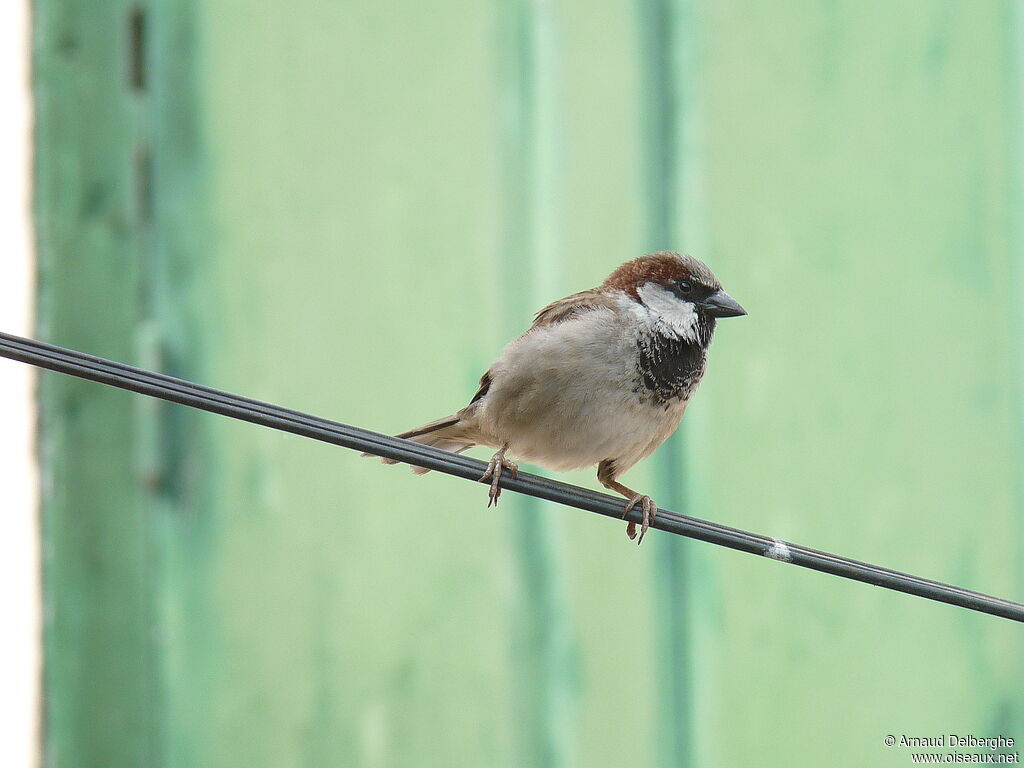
347, 208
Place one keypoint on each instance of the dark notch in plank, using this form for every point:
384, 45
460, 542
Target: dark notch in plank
137, 74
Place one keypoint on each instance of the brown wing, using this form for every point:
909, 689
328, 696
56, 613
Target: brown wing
571, 306
555, 312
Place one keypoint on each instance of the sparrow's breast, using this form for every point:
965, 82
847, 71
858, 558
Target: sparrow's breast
578, 392
669, 368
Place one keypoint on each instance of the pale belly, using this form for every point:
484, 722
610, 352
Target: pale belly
565, 401
576, 433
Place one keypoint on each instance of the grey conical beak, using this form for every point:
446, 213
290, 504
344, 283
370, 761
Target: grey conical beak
721, 304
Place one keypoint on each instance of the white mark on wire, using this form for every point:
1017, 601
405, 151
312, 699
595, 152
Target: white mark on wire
779, 550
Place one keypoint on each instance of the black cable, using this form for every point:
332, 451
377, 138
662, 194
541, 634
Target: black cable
226, 404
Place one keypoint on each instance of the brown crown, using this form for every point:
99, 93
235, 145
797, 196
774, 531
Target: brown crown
662, 267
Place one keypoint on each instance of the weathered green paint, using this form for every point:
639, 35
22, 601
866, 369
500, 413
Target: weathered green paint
102, 704
666, 110
348, 208
543, 648
363, 615
858, 174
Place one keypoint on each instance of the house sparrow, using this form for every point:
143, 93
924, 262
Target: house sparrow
601, 377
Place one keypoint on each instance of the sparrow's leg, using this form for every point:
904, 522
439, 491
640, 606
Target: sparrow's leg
495, 467
606, 475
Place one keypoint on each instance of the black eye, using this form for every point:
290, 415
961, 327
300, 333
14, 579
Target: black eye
684, 287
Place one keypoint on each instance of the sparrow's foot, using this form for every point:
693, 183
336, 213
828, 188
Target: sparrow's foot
648, 510
497, 465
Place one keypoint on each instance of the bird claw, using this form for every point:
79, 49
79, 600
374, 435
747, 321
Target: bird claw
495, 467
648, 511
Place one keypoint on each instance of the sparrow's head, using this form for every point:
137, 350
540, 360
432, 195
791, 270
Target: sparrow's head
679, 292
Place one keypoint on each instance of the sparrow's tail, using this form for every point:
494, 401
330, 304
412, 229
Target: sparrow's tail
448, 434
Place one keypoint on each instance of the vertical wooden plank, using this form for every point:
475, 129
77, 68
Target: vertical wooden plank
529, 263
100, 707
666, 112
859, 195
615, 610
355, 614
1014, 37
180, 324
